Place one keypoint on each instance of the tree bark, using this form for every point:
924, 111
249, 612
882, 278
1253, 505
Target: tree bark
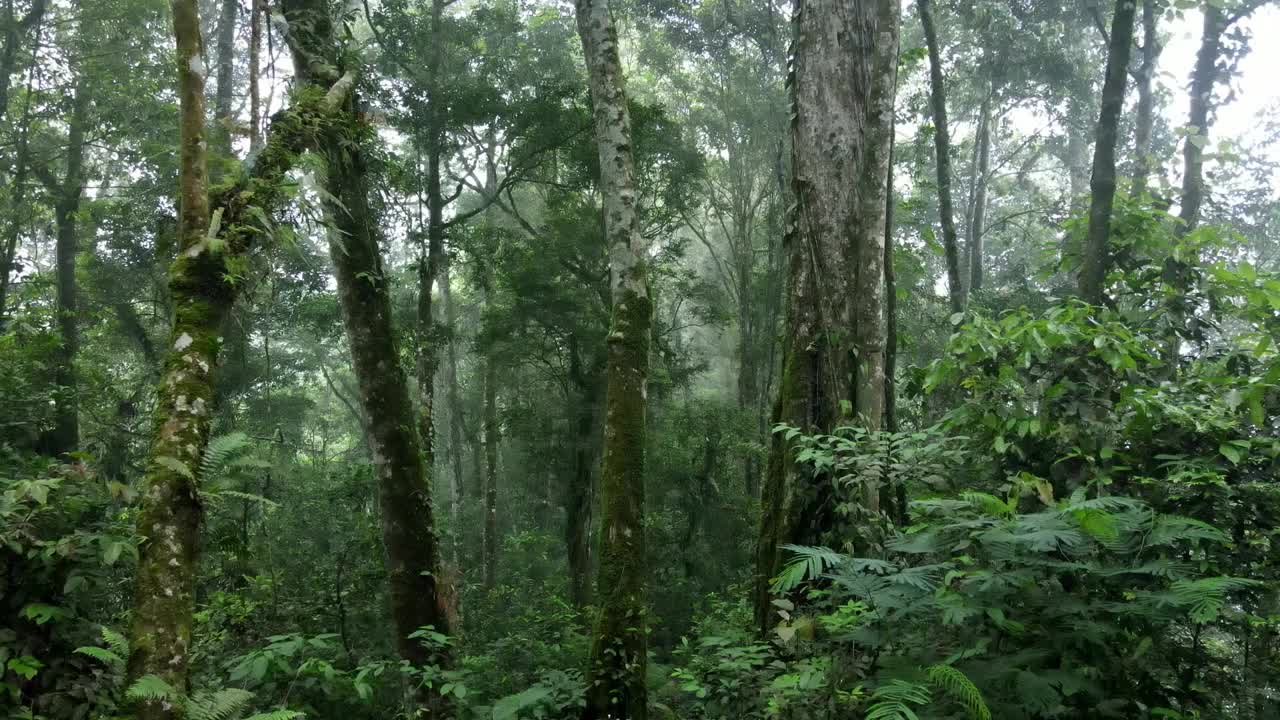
618, 652
202, 295
1203, 79
978, 220
65, 436
942, 147
583, 411
1096, 260
14, 29
257, 9
22, 159
223, 121
1145, 122
842, 86
413, 564
456, 420
490, 470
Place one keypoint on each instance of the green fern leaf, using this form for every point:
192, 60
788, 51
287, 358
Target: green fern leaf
222, 704
809, 563
103, 655
152, 688
277, 715
960, 688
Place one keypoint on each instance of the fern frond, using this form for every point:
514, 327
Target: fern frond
1206, 596
222, 704
960, 688
219, 452
810, 563
115, 641
151, 688
893, 700
114, 661
247, 497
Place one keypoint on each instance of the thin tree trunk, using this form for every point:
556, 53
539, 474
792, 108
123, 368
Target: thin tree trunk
978, 221
1203, 79
22, 159
428, 335
65, 436
618, 650
942, 147
583, 411
257, 9
1093, 270
223, 122
404, 488
458, 488
842, 87
1145, 122
490, 470
14, 29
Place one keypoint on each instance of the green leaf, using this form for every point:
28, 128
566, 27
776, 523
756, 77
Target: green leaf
25, 666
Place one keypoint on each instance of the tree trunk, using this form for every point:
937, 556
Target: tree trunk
22, 159
257, 9
1203, 80
979, 217
618, 650
223, 121
942, 147
428, 335
169, 517
404, 490
584, 417
1145, 122
1093, 269
65, 436
842, 86
457, 487
14, 29
490, 471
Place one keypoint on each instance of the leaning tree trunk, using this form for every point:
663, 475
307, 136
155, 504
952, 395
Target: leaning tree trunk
202, 295
842, 85
1093, 269
404, 490
618, 650
942, 147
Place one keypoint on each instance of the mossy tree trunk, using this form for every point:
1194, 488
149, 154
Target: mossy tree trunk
978, 216
942, 148
1096, 256
586, 375
618, 651
404, 490
1145, 123
490, 465
843, 84
202, 291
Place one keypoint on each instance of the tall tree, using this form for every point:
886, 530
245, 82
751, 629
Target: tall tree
618, 650
15, 28
203, 290
1145, 123
1096, 255
942, 147
978, 211
843, 84
404, 491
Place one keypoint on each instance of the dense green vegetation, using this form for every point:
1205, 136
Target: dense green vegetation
629, 359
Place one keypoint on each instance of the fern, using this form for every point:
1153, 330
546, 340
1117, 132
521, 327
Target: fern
960, 688
810, 563
114, 661
1206, 596
115, 641
893, 700
220, 452
151, 688
224, 704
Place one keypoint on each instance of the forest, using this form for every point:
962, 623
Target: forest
639, 359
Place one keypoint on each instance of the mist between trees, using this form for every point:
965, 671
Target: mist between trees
631, 359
